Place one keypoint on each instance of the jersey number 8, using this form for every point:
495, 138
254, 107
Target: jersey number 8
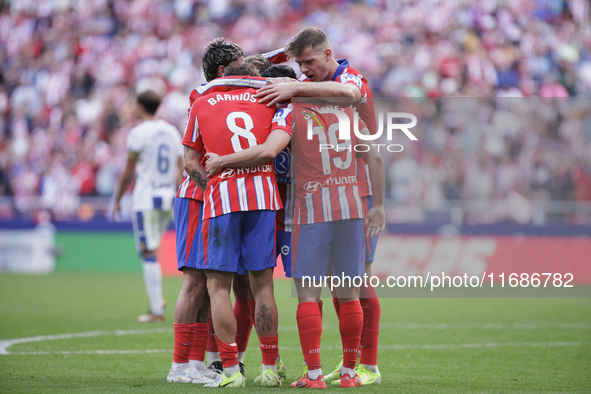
239, 131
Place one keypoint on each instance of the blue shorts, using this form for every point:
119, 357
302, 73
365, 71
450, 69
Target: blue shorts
284, 249
338, 243
239, 242
369, 243
188, 223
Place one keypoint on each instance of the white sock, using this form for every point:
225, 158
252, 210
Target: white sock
314, 373
371, 368
199, 365
350, 371
241, 357
213, 356
153, 282
272, 367
179, 365
231, 370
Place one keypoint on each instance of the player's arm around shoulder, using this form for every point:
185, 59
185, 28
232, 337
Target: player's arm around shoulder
253, 156
375, 221
193, 167
283, 91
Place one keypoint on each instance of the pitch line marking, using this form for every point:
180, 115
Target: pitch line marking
486, 345
4, 345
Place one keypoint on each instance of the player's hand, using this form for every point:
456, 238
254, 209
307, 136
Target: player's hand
116, 211
271, 81
277, 92
375, 222
213, 165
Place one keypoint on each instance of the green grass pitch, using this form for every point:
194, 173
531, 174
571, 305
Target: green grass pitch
427, 345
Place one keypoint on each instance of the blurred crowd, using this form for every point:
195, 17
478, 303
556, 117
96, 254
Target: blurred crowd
493, 159
69, 70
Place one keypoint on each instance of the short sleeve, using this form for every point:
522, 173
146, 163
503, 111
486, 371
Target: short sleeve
134, 142
282, 119
192, 137
354, 79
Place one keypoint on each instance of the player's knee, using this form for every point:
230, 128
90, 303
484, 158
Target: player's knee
262, 288
215, 286
196, 289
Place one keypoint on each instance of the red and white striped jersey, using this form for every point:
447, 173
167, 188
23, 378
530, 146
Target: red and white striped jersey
327, 186
228, 122
188, 188
347, 74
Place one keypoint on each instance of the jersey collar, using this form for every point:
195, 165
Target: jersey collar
226, 84
343, 63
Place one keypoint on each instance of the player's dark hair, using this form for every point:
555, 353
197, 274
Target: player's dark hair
219, 52
241, 70
309, 37
149, 100
278, 71
258, 61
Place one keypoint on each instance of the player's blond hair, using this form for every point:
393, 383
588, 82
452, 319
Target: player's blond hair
258, 61
310, 37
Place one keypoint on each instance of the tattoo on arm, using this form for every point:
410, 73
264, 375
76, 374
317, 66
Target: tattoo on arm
198, 179
265, 317
185, 151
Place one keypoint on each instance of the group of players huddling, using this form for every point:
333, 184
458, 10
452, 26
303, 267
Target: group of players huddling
257, 187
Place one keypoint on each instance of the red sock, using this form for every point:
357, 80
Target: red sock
211, 342
335, 302
269, 349
228, 353
350, 326
183, 339
371, 330
243, 324
199, 341
320, 304
310, 329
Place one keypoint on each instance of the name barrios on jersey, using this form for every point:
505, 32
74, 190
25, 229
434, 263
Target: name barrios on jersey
231, 97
